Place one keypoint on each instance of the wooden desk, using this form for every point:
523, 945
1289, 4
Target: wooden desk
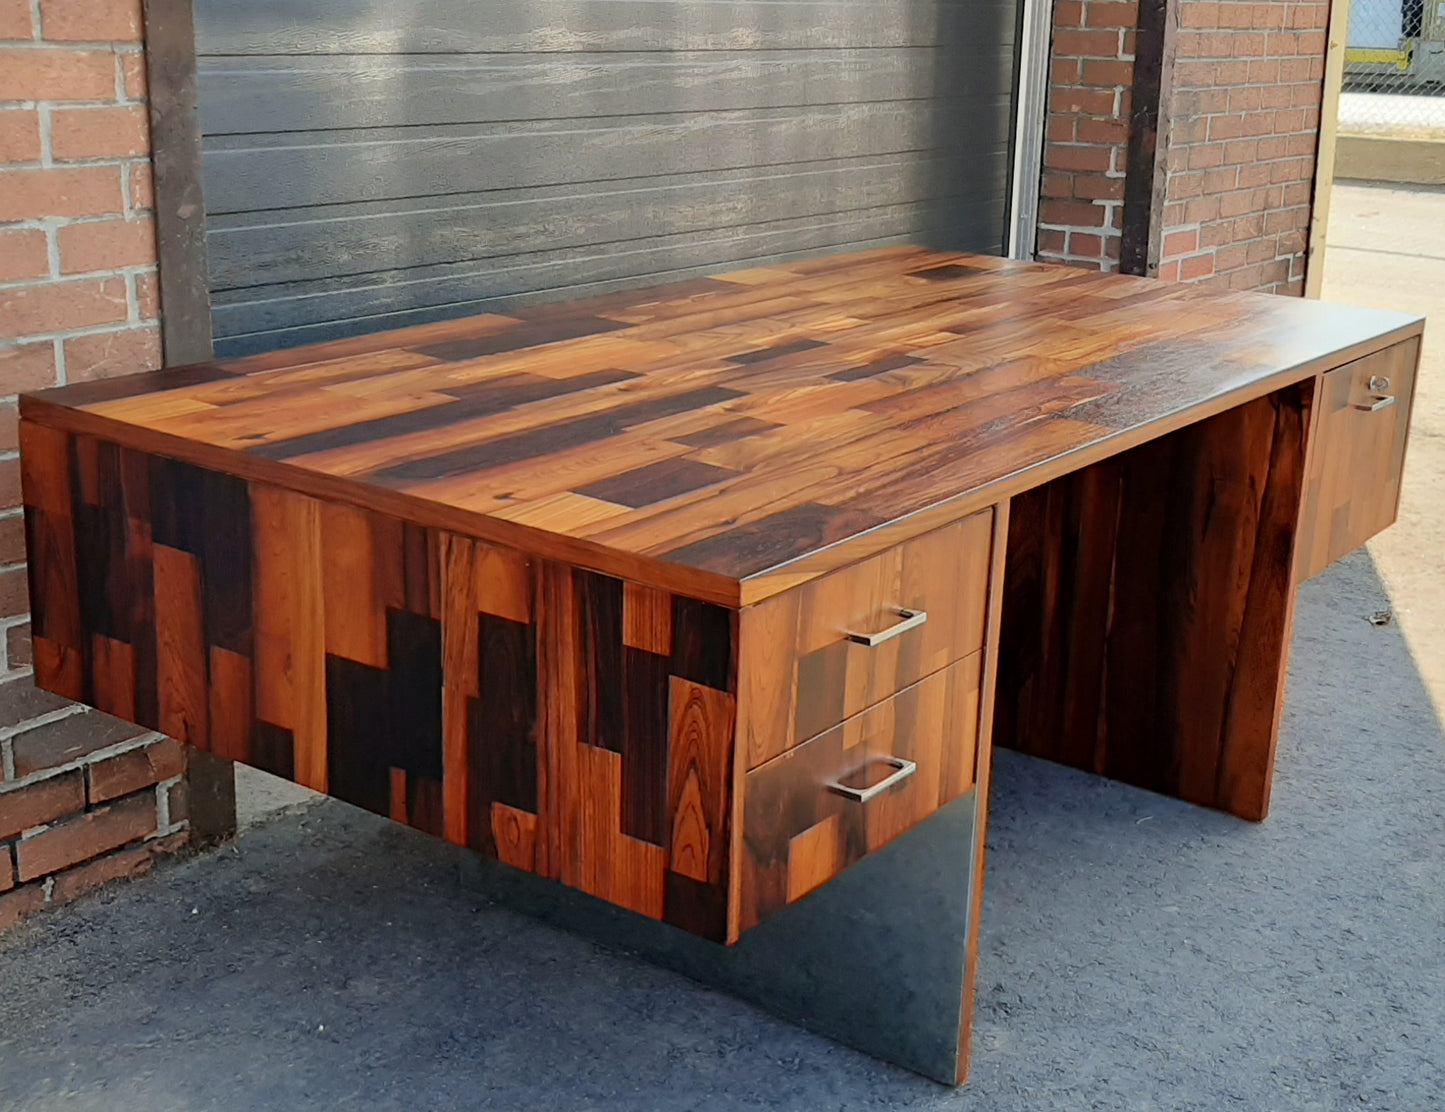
630, 593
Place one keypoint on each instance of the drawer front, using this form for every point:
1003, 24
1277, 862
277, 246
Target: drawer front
801, 673
822, 806
1352, 491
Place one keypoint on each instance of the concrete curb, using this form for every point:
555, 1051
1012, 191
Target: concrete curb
1414, 161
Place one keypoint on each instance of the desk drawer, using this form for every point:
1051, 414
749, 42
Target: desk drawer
1352, 490
822, 806
801, 673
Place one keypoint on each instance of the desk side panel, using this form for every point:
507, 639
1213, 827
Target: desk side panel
1147, 608
561, 721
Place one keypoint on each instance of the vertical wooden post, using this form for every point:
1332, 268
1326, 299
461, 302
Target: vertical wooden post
180, 208
1325, 151
1148, 136
170, 49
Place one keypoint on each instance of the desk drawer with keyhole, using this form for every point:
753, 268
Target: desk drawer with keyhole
1352, 490
821, 653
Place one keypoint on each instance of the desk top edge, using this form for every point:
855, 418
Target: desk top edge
981, 377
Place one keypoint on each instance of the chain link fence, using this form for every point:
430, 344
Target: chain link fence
1395, 68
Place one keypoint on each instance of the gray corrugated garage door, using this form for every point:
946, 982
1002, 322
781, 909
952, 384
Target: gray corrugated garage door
374, 163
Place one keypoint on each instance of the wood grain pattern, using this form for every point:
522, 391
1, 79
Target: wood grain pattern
114, 676
181, 654
399, 668
802, 676
1358, 459
291, 625
797, 833
1173, 683
982, 777
731, 438
232, 688
47, 477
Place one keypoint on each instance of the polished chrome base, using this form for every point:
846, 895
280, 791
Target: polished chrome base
874, 958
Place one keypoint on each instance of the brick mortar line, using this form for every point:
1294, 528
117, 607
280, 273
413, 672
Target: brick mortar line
46, 136
55, 223
83, 275
114, 46
91, 162
127, 193
104, 102
58, 715
1210, 59
163, 808
126, 325
115, 750
79, 220
1207, 144
32, 832
52, 252
1104, 263
163, 801
132, 297
1087, 229
47, 884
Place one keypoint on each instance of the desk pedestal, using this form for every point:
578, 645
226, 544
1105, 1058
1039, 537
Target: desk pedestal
875, 958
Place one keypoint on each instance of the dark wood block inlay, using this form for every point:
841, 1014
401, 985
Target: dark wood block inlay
522, 335
876, 367
502, 725
777, 351
273, 750
657, 482
725, 433
547, 439
776, 538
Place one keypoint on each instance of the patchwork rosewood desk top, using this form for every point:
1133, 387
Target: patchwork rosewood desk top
692, 597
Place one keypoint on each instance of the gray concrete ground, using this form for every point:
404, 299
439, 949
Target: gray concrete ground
1137, 953
1386, 249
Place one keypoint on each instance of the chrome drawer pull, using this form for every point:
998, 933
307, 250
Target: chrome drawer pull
902, 770
1378, 402
912, 619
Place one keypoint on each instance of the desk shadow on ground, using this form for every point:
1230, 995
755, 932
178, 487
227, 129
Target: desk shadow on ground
1136, 953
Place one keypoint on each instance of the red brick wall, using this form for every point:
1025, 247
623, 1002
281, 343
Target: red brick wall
83, 797
1090, 73
1240, 129
1244, 125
